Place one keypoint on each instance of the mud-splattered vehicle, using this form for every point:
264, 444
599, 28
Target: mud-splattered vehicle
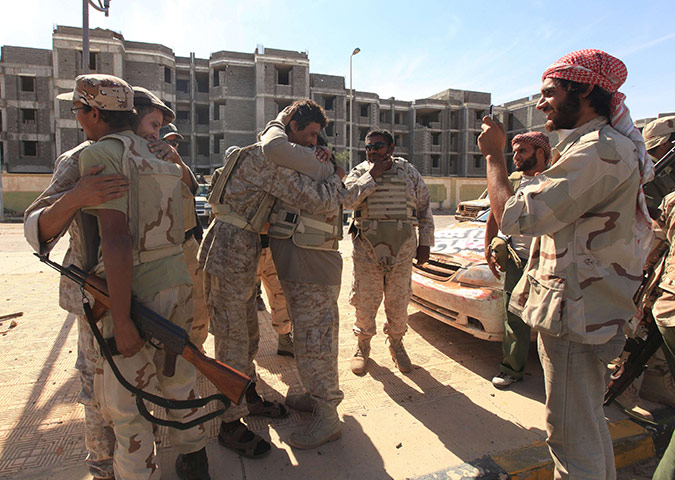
456, 285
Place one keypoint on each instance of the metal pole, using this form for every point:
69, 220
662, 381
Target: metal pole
85, 37
351, 112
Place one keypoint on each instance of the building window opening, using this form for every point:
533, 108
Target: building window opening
27, 84
364, 109
202, 82
329, 103
477, 161
283, 75
29, 148
28, 115
435, 161
203, 146
167, 75
93, 61
183, 85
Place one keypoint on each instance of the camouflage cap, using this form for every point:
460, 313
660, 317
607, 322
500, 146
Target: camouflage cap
144, 97
169, 131
658, 131
104, 92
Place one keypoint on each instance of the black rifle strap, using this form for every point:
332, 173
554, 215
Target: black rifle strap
142, 395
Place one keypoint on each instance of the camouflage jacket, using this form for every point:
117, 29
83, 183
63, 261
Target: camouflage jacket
665, 232
66, 176
585, 262
360, 184
253, 178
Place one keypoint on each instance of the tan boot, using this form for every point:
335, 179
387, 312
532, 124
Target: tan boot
301, 401
324, 427
359, 361
399, 355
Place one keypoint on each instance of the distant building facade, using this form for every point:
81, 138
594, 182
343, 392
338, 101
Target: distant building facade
226, 99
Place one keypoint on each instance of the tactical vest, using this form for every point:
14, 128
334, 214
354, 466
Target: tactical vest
155, 207
386, 219
223, 212
318, 232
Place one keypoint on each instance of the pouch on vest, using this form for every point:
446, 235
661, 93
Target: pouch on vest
313, 231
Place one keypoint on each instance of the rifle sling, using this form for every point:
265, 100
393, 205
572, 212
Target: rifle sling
142, 395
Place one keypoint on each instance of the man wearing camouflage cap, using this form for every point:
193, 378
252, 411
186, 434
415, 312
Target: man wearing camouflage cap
531, 152
659, 136
592, 234
157, 278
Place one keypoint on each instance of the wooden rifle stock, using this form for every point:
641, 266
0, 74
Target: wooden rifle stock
231, 382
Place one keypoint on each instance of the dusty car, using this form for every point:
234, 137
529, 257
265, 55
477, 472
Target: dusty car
470, 209
456, 285
201, 205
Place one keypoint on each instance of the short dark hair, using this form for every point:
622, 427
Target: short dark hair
141, 112
308, 111
599, 98
388, 138
117, 119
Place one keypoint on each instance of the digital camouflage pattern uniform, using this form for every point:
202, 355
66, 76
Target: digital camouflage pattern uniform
99, 437
230, 254
385, 267
585, 265
160, 281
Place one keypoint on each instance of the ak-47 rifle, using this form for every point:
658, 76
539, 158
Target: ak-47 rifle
175, 340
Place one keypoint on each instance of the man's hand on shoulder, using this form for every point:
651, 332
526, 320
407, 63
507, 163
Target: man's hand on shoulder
92, 189
322, 154
164, 151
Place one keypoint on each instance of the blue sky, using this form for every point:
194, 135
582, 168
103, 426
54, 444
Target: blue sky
409, 49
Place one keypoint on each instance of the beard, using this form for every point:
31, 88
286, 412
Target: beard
527, 164
566, 115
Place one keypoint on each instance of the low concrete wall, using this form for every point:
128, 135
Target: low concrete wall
20, 189
447, 192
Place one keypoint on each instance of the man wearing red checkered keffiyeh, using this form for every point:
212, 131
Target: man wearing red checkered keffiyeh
591, 233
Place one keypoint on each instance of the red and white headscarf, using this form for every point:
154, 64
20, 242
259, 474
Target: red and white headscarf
595, 67
537, 139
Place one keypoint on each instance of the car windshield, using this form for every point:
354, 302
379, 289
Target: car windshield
484, 215
202, 191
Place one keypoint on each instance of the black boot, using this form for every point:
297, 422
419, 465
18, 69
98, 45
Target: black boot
193, 466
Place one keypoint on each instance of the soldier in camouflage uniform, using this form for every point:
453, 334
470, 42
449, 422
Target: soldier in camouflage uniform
304, 247
592, 234
143, 259
243, 192
389, 199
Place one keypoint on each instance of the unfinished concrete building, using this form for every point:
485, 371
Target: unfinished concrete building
226, 99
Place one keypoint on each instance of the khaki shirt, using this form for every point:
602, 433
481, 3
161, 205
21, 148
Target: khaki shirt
664, 306
586, 262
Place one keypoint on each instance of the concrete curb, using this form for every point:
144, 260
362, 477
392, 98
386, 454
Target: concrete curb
634, 442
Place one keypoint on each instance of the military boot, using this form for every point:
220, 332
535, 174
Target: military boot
359, 361
398, 354
285, 345
301, 401
324, 427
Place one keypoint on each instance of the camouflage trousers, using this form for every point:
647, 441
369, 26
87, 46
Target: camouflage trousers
267, 273
230, 299
370, 281
200, 318
315, 317
134, 457
99, 437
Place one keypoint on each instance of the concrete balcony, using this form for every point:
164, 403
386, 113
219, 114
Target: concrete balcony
202, 97
182, 96
218, 92
283, 90
217, 126
202, 128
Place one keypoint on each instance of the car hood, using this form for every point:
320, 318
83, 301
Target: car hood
464, 243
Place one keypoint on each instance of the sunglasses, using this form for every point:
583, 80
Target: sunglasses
375, 146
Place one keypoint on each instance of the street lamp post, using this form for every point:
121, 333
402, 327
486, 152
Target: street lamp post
351, 107
103, 7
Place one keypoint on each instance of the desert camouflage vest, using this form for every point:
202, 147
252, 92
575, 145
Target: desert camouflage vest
388, 216
257, 220
155, 209
319, 232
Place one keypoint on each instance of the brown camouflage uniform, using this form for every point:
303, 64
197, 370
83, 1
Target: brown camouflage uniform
99, 437
373, 277
584, 267
230, 255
